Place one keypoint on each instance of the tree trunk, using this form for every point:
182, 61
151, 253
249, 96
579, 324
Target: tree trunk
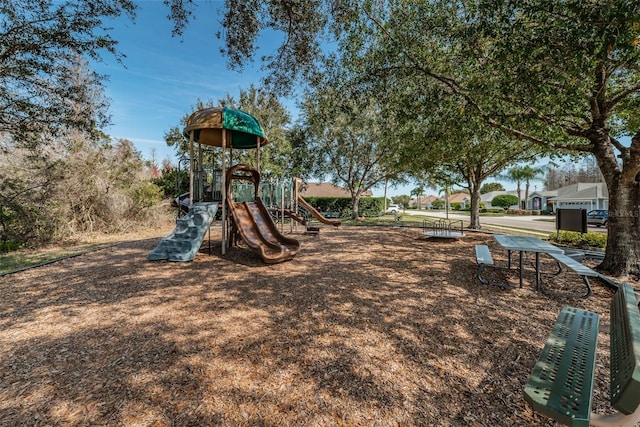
622, 256
355, 206
474, 220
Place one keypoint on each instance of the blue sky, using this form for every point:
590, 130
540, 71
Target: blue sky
162, 77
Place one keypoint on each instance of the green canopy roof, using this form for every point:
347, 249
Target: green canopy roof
208, 125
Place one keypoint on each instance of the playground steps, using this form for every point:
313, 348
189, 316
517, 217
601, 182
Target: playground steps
184, 242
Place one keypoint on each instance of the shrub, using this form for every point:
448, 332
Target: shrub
368, 206
494, 210
580, 240
504, 200
437, 204
9, 246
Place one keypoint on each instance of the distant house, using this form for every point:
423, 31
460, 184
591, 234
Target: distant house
542, 200
583, 195
425, 202
327, 189
462, 198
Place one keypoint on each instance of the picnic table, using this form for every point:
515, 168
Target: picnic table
524, 244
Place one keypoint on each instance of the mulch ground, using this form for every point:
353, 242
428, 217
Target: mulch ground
364, 327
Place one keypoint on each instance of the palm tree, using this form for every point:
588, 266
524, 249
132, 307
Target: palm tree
447, 192
529, 174
418, 191
516, 174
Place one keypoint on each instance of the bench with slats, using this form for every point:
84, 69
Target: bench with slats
580, 269
561, 383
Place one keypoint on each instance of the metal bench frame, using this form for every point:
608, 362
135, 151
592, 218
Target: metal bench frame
484, 259
582, 270
561, 382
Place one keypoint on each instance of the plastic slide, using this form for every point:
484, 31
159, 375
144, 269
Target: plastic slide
183, 244
260, 233
316, 214
254, 224
294, 216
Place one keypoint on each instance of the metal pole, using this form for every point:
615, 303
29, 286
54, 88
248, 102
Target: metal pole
224, 192
282, 208
200, 170
291, 221
258, 153
191, 166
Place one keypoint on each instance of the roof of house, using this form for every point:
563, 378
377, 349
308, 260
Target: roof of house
458, 197
423, 200
545, 193
583, 191
327, 189
488, 197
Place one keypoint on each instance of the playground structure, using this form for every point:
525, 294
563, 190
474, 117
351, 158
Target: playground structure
233, 190
215, 127
183, 243
443, 228
284, 201
253, 223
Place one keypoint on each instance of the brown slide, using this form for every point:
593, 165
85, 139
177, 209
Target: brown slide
256, 227
316, 214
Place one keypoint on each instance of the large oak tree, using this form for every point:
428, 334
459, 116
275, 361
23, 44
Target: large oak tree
38, 41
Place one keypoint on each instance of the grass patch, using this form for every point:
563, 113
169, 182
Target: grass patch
21, 259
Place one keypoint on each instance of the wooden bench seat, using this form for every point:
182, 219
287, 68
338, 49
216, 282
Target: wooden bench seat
580, 269
484, 259
561, 382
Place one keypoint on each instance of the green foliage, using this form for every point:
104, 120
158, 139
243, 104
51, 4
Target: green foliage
493, 210
41, 43
348, 137
173, 182
369, 206
504, 200
456, 206
9, 246
580, 240
437, 204
145, 194
491, 186
274, 118
402, 200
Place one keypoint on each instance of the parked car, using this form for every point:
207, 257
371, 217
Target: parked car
394, 209
598, 217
